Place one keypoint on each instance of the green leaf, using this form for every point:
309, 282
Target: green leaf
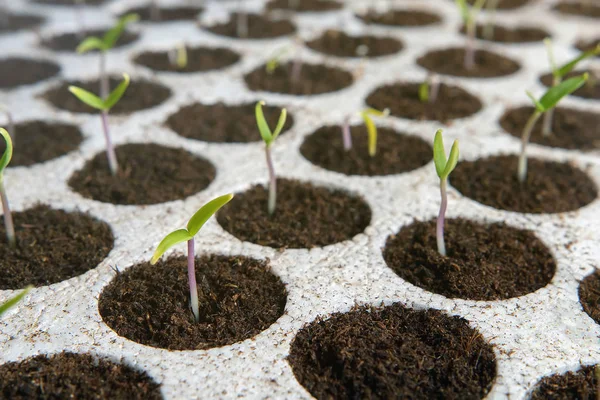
568, 67
263, 127
424, 92
452, 160
116, 94
372, 132
111, 37
182, 57
207, 211
7, 156
535, 101
173, 238
91, 43
439, 154
87, 97
280, 123
13, 300
463, 7
556, 93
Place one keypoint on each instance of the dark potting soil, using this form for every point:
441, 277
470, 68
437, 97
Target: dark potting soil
580, 8
401, 18
141, 94
304, 5
222, 123
571, 128
484, 261
403, 101
588, 45
306, 216
339, 44
166, 14
396, 152
74, 376
506, 4
392, 353
39, 141
18, 22
16, 71
313, 79
579, 385
239, 297
199, 59
591, 89
589, 296
259, 27
148, 174
52, 246
451, 62
551, 187
69, 2
511, 35
70, 40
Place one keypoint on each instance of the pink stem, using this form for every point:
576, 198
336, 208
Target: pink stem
296, 70
8, 221
192, 280
103, 78
470, 49
272, 182
110, 151
440, 220
434, 88
346, 134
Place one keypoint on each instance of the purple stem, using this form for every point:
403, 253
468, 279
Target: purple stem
346, 134
440, 220
8, 221
434, 88
272, 182
470, 49
242, 23
296, 69
110, 151
103, 77
192, 280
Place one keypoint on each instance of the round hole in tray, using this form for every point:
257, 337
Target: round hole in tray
70, 40
582, 8
199, 59
451, 62
17, 71
304, 5
591, 90
69, 2
398, 17
339, 44
502, 34
589, 296
149, 304
580, 384
165, 14
259, 27
19, 22
392, 352
506, 4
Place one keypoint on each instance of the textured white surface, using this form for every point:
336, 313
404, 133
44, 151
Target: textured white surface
533, 335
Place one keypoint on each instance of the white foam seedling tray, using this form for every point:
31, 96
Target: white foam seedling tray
533, 336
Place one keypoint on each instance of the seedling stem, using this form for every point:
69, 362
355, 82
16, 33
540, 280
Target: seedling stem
8, 221
488, 30
469, 16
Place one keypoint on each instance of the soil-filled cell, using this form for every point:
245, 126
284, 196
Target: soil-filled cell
590, 90
452, 62
258, 27
589, 296
304, 5
69, 41
165, 14
505, 4
588, 45
19, 22
69, 2
573, 385
582, 8
405, 18
503, 34
16, 71
340, 44
199, 59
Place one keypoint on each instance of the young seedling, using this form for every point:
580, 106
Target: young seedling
4, 307
104, 105
275, 61
269, 137
428, 90
548, 101
469, 16
443, 167
488, 30
104, 44
187, 235
369, 124
178, 56
242, 21
8, 221
558, 73
10, 123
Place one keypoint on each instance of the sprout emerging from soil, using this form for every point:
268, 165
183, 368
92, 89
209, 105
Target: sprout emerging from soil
187, 235
4, 307
104, 105
443, 167
369, 124
274, 62
8, 221
269, 137
10, 122
469, 16
178, 56
548, 101
428, 90
558, 73
104, 44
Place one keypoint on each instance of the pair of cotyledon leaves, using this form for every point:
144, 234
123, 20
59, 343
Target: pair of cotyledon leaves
443, 165
109, 39
96, 102
556, 93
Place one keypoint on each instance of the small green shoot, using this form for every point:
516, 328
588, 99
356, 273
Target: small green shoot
469, 16
424, 91
187, 235
178, 57
429, 88
4, 307
4, 161
275, 60
371, 127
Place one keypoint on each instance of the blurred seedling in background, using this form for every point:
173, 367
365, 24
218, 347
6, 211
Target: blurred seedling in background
104, 106
104, 44
491, 8
429, 89
469, 16
187, 235
178, 56
366, 115
8, 304
443, 166
4, 161
154, 11
547, 102
558, 73
275, 61
269, 138
242, 20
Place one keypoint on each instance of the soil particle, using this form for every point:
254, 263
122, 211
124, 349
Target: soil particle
222, 123
511, 35
259, 27
239, 298
148, 174
589, 296
396, 152
397, 17
591, 89
18, 22
69, 41
166, 14
339, 44
52, 246
199, 59
550, 187
484, 261
18, 71
452, 62
305, 5
580, 8
306, 216
392, 353
578, 385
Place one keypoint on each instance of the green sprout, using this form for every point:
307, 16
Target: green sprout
104, 106
469, 16
4, 307
104, 44
443, 167
8, 221
10, 122
547, 102
429, 88
178, 57
275, 61
187, 235
371, 127
269, 137
558, 74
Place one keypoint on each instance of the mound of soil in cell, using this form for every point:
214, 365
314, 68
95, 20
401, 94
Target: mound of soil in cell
199, 59
401, 18
396, 152
74, 376
238, 298
259, 27
402, 99
16, 71
339, 44
580, 8
392, 353
52, 246
70, 40
589, 296
18, 22
550, 187
582, 384
503, 34
483, 262
222, 123
312, 79
591, 89
506, 4
304, 5
148, 174
306, 216
451, 62
69, 2
166, 14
